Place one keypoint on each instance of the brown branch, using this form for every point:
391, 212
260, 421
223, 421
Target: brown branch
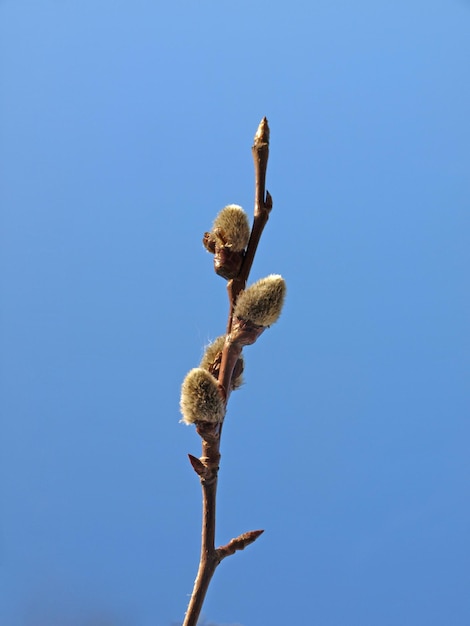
263, 206
209, 560
207, 466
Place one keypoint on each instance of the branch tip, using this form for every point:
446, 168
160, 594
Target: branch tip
262, 134
239, 543
252, 536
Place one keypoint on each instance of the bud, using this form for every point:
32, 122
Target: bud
262, 133
261, 304
201, 400
213, 357
228, 239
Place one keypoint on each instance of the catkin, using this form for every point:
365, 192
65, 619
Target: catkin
262, 302
201, 400
212, 358
232, 227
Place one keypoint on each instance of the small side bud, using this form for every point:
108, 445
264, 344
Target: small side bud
213, 357
201, 400
261, 304
227, 240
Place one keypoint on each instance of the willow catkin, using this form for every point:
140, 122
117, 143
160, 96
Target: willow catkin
212, 359
231, 227
201, 400
262, 302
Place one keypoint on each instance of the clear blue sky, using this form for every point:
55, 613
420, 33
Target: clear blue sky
124, 128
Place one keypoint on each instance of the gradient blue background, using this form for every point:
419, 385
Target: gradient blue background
124, 128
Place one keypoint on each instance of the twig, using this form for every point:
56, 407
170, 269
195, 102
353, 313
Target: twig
263, 206
207, 466
209, 556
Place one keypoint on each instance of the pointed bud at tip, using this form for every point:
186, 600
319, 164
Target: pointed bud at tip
262, 133
262, 302
201, 400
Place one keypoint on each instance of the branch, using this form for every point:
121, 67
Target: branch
207, 466
209, 557
263, 206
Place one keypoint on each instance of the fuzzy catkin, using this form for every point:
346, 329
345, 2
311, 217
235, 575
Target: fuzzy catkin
262, 302
232, 224
212, 357
211, 352
200, 398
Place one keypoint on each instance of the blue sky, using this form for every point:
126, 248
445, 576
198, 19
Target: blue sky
124, 128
